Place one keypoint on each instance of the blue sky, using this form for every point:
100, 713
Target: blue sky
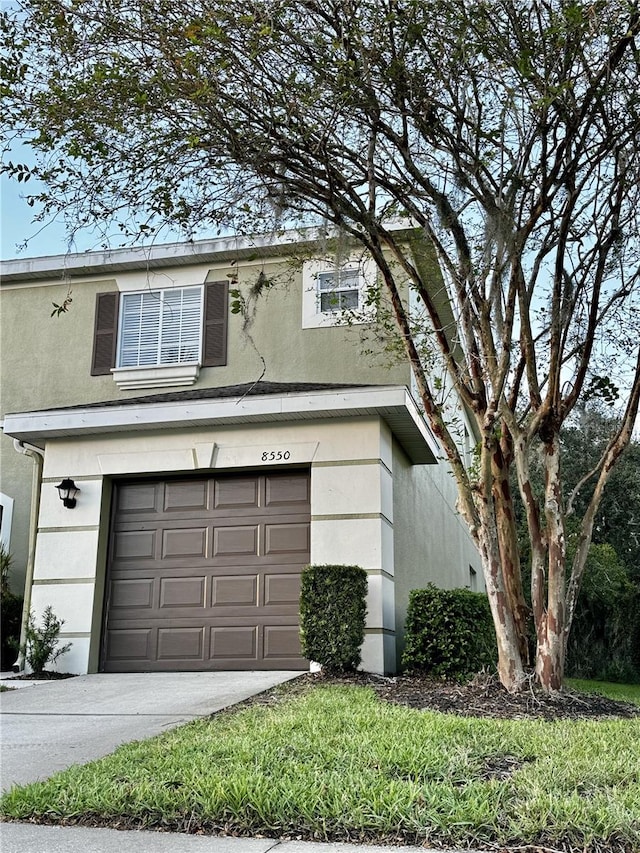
16, 227
48, 238
16, 218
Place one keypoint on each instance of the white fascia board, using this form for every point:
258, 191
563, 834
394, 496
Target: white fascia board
216, 250
141, 257
393, 403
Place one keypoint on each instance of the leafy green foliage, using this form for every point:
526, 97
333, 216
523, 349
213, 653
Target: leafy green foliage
62, 307
332, 615
617, 522
10, 619
10, 613
42, 646
605, 641
605, 637
6, 561
449, 632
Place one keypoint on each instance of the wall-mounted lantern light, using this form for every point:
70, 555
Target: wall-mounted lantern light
67, 490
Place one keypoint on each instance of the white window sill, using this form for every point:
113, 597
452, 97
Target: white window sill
325, 319
164, 376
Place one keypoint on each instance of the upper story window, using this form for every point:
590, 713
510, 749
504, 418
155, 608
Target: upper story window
334, 293
160, 338
160, 327
339, 290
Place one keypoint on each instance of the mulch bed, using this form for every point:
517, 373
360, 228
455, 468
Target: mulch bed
45, 675
483, 696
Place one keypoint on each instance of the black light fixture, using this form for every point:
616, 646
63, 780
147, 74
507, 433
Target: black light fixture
67, 490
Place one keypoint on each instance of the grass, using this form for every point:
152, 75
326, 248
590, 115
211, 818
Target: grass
334, 763
620, 692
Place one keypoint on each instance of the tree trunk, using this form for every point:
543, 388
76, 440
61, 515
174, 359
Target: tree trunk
510, 666
550, 628
508, 544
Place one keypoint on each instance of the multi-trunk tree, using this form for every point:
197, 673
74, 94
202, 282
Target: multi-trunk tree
507, 132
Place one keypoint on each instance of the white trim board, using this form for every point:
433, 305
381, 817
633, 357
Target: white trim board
393, 403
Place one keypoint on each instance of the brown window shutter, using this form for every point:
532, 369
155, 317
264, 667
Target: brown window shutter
216, 313
105, 333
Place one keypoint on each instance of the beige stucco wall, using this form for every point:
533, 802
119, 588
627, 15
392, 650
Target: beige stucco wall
431, 541
351, 513
45, 361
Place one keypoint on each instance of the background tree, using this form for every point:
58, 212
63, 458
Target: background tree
506, 131
605, 638
617, 521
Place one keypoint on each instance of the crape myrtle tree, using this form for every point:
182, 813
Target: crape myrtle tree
505, 131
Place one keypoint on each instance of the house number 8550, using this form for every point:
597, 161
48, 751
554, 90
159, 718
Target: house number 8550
276, 455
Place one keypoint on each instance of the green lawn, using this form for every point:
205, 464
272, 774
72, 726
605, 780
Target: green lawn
621, 692
334, 762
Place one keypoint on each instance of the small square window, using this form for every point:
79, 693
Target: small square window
329, 292
339, 290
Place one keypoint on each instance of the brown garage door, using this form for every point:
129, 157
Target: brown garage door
205, 573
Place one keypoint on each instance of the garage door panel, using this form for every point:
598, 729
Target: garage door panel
281, 642
184, 543
286, 490
287, 538
182, 592
188, 494
135, 545
234, 591
234, 642
281, 589
139, 497
131, 593
131, 644
234, 541
181, 643
236, 493
210, 580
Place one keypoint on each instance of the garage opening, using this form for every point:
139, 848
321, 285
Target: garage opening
204, 573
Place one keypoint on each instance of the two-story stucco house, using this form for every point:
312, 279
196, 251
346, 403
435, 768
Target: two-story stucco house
214, 457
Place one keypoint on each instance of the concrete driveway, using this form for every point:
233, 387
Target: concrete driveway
49, 727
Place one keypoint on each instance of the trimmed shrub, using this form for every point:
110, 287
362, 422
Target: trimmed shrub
332, 615
449, 633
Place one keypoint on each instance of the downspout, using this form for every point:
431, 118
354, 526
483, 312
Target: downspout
38, 460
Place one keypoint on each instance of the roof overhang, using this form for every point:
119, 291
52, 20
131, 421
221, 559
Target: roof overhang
219, 250
393, 403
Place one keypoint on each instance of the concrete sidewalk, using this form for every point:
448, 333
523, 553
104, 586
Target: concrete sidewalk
27, 838
51, 726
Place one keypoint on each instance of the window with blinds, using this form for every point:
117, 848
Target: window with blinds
159, 327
